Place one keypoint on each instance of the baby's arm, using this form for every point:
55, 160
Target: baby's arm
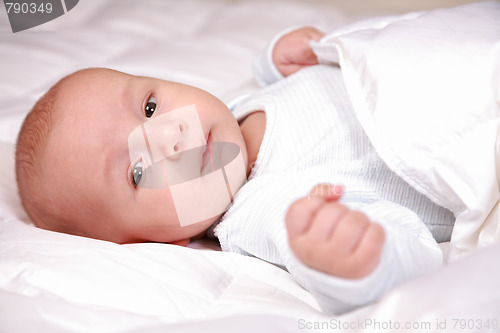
366, 261
287, 53
328, 236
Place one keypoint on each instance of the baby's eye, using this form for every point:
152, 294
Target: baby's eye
137, 174
150, 107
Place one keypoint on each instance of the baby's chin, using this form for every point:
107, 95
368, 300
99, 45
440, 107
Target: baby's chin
171, 234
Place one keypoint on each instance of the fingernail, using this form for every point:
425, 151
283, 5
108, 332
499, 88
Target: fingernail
339, 189
334, 192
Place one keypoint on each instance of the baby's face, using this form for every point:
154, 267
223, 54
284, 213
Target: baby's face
133, 157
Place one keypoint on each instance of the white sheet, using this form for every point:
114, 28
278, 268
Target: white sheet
52, 282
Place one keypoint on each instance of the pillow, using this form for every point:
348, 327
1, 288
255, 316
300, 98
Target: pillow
151, 283
426, 88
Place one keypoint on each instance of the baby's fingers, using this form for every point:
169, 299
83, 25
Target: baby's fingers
315, 34
328, 192
367, 255
350, 232
326, 222
300, 214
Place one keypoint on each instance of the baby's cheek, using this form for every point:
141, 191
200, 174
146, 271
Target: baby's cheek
201, 178
211, 193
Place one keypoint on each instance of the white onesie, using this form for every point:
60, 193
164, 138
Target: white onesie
312, 136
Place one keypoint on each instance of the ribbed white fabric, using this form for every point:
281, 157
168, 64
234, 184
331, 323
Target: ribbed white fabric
312, 136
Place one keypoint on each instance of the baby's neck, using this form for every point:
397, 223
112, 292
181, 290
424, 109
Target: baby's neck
253, 128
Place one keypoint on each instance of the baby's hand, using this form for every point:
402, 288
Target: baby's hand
328, 236
292, 52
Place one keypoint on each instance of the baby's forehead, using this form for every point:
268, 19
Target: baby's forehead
88, 89
94, 77
86, 105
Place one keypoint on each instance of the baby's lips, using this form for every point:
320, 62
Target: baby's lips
207, 154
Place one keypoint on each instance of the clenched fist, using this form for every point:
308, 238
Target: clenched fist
328, 236
292, 51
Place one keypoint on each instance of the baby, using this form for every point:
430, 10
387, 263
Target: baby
125, 159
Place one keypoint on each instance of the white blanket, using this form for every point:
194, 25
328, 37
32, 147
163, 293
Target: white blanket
426, 88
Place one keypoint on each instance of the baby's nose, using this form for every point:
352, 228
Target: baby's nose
175, 138
168, 139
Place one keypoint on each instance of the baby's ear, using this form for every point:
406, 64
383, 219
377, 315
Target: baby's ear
182, 242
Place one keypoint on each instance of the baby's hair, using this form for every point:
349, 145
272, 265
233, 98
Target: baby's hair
31, 144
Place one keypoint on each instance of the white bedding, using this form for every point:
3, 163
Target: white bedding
52, 282
428, 96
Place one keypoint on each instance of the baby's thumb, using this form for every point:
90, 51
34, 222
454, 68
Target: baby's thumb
329, 192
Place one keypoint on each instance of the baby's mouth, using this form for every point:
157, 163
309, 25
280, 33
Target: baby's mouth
207, 157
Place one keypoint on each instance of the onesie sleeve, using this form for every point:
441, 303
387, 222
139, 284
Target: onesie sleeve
410, 251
